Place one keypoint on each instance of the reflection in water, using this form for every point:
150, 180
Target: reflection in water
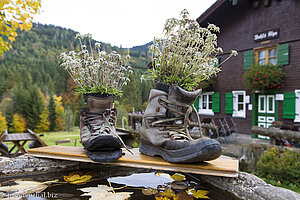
132, 181
146, 180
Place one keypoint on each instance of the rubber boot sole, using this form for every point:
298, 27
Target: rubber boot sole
104, 156
202, 151
104, 143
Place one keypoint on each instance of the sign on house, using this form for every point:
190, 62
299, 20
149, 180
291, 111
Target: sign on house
266, 35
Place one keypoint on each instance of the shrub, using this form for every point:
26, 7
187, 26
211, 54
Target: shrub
43, 125
283, 166
18, 124
263, 78
3, 123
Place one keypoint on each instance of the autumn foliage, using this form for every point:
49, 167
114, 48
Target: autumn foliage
44, 124
3, 123
18, 124
15, 14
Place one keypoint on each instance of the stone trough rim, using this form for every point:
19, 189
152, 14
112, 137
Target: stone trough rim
245, 186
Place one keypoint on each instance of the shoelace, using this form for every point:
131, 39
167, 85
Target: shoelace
181, 130
97, 120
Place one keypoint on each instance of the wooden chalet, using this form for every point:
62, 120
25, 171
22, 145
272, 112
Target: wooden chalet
262, 32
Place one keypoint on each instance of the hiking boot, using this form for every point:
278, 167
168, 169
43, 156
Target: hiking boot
98, 129
165, 128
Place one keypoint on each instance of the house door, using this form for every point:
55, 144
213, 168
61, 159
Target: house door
266, 112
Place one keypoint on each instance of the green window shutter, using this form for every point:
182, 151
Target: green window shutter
229, 103
283, 54
289, 105
248, 59
196, 104
216, 102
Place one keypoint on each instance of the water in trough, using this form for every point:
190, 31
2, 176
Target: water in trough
140, 183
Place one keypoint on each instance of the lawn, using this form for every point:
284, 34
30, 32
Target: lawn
50, 138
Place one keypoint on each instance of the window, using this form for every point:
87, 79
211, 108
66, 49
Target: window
239, 104
206, 104
275, 55
266, 104
266, 56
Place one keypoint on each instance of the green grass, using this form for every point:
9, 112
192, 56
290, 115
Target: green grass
293, 188
50, 138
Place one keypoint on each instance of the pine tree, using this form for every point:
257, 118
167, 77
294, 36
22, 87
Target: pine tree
18, 124
52, 117
69, 118
32, 107
3, 123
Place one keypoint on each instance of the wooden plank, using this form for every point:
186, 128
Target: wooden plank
218, 167
37, 137
3, 135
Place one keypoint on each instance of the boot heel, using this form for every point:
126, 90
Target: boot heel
146, 150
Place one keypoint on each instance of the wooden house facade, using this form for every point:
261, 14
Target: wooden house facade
262, 32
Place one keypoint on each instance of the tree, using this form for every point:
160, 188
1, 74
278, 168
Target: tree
69, 118
59, 113
6, 107
14, 15
18, 125
43, 125
51, 109
3, 123
30, 105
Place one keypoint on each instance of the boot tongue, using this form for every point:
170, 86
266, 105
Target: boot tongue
99, 104
180, 95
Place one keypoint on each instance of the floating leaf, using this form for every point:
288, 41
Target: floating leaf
179, 185
162, 198
167, 193
178, 177
149, 191
77, 179
103, 192
199, 194
26, 187
162, 187
165, 175
183, 196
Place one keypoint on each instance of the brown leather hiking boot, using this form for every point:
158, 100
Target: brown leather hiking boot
98, 129
165, 128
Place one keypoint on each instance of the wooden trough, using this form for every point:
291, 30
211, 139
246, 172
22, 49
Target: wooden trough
220, 167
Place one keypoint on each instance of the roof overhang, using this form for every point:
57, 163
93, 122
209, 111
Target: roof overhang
210, 10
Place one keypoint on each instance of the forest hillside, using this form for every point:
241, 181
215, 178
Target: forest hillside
36, 93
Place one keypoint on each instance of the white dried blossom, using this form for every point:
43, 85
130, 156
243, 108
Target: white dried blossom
104, 72
234, 53
187, 53
97, 45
